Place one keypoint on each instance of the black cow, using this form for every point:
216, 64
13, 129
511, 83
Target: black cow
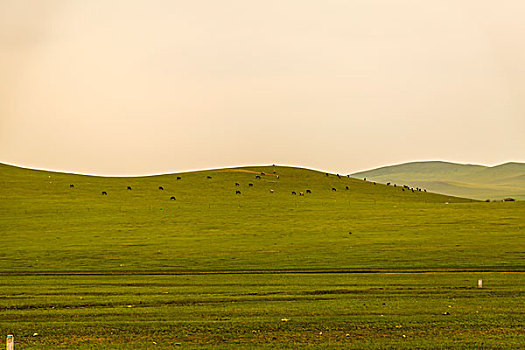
258, 177
129, 188
374, 182
364, 179
263, 174
208, 177
161, 188
293, 192
333, 189
71, 186
237, 192
237, 184
172, 198
251, 185
326, 174
347, 188
308, 191
403, 189
178, 177
388, 183
104, 193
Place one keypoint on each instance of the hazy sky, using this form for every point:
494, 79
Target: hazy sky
139, 87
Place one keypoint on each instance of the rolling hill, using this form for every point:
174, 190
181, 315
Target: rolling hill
463, 180
371, 266
51, 226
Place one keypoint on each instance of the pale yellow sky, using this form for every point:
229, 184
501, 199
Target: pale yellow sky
140, 87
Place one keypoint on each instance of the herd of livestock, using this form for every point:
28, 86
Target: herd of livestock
258, 177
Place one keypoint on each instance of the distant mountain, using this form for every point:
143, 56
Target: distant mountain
463, 180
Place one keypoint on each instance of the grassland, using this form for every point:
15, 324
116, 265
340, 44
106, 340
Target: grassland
463, 180
368, 267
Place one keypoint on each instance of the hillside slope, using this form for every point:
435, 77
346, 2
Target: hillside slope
463, 180
50, 226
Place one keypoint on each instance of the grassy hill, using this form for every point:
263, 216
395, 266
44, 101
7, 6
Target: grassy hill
50, 226
369, 267
463, 180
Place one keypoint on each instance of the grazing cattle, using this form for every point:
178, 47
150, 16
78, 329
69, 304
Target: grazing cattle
129, 188
104, 193
374, 182
425, 190
208, 177
71, 186
347, 188
271, 191
251, 185
412, 189
388, 183
301, 193
237, 192
172, 198
178, 177
293, 192
237, 184
278, 176
263, 173
308, 191
348, 175
509, 200
161, 188
395, 185
258, 177
403, 189
333, 189
326, 174
364, 179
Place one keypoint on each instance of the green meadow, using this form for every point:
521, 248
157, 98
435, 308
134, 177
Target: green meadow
371, 266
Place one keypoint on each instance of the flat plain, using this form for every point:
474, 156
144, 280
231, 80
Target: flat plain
371, 266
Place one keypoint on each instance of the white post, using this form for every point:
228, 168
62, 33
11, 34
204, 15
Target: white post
480, 283
10, 342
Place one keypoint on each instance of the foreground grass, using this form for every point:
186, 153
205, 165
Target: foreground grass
134, 269
431, 310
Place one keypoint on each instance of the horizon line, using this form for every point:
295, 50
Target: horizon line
245, 166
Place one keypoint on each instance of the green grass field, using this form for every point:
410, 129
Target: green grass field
368, 267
